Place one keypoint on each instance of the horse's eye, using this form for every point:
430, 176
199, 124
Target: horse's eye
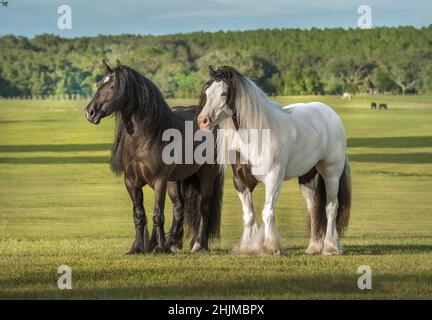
112, 85
224, 94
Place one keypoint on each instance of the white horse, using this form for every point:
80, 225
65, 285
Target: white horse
307, 140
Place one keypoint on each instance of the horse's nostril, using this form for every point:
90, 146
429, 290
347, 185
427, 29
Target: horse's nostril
205, 120
92, 112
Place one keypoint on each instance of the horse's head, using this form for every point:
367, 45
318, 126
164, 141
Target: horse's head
108, 98
218, 97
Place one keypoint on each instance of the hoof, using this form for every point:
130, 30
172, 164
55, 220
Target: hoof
197, 248
276, 252
161, 249
175, 248
270, 251
137, 249
314, 248
331, 250
236, 249
130, 252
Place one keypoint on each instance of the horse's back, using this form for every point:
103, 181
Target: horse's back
185, 113
319, 132
314, 111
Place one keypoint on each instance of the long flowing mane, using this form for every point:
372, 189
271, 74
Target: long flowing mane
251, 106
143, 102
252, 110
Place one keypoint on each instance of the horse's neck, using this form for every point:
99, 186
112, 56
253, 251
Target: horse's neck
266, 115
258, 137
154, 121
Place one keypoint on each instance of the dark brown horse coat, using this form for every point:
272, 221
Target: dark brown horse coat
142, 118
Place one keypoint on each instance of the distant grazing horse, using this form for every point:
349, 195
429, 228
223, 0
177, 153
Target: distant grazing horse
347, 95
195, 189
307, 140
383, 106
373, 105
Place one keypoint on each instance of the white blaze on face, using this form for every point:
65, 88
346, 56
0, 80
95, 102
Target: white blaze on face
216, 108
107, 78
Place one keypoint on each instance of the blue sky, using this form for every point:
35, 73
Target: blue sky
90, 17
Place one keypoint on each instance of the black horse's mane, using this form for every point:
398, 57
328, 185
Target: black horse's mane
143, 101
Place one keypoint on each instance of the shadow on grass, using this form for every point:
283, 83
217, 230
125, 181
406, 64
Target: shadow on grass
28, 121
411, 158
391, 142
194, 286
373, 142
54, 160
368, 249
56, 147
383, 249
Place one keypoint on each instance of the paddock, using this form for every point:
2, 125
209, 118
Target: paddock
60, 205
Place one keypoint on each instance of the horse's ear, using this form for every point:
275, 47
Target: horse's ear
107, 68
212, 71
119, 65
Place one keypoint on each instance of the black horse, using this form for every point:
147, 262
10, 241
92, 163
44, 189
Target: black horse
142, 118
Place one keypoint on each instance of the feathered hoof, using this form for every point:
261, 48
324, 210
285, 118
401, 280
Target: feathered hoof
332, 251
235, 250
270, 251
175, 245
242, 250
131, 252
314, 248
175, 248
161, 249
137, 248
197, 248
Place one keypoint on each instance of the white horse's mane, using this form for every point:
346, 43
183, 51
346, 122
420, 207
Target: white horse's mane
254, 110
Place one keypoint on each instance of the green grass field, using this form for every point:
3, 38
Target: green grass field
60, 204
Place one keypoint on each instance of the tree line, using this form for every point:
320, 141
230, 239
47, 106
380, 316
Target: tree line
281, 61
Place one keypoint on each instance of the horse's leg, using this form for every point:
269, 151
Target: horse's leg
158, 242
273, 182
210, 187
311, 192
201, 242
175, 238
206, 187
249, 218
331, 174
141, 243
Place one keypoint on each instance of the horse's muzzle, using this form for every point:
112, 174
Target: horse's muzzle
203, 122
93, 115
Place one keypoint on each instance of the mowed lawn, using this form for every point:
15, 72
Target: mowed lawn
60, 205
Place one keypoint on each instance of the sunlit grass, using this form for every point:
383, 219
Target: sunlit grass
59, 204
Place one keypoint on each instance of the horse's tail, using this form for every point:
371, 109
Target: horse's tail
192, 198
319, 218
191, 194
216, 204
344, 199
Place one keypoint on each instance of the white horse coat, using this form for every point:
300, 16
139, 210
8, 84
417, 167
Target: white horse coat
303, 136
